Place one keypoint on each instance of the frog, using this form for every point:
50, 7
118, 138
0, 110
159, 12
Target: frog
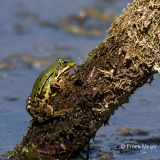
38, 102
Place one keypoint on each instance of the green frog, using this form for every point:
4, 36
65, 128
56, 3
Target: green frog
45, 88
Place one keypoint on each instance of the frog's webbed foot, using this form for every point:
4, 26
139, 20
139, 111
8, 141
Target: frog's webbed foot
41, 118
62, 112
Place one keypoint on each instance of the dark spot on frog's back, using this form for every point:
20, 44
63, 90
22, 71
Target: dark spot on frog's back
40, 96
50, 93
44, 106
46, 101
44, 92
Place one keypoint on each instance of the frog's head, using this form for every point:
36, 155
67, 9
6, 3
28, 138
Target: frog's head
64, 66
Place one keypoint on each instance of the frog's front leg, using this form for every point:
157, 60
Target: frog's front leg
56, 86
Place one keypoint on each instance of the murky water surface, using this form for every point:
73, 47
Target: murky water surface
32, 35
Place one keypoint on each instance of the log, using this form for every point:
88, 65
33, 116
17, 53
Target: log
123, 62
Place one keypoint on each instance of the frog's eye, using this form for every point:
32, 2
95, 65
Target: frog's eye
63, 62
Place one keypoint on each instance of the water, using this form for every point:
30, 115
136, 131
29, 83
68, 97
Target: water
22, 33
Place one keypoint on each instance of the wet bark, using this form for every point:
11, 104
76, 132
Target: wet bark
123, 62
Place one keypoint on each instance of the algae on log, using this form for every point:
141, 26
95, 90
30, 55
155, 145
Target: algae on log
124, 61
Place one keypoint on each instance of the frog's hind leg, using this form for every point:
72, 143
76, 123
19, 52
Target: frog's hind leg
43, 112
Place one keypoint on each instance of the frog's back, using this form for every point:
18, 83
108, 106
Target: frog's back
42, 79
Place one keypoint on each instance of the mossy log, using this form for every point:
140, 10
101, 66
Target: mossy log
124, 61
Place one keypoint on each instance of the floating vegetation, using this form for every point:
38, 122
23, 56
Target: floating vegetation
105, 155
149, 140
6, 66
90, 22
131, 131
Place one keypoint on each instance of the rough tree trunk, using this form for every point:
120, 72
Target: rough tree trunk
119, 65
